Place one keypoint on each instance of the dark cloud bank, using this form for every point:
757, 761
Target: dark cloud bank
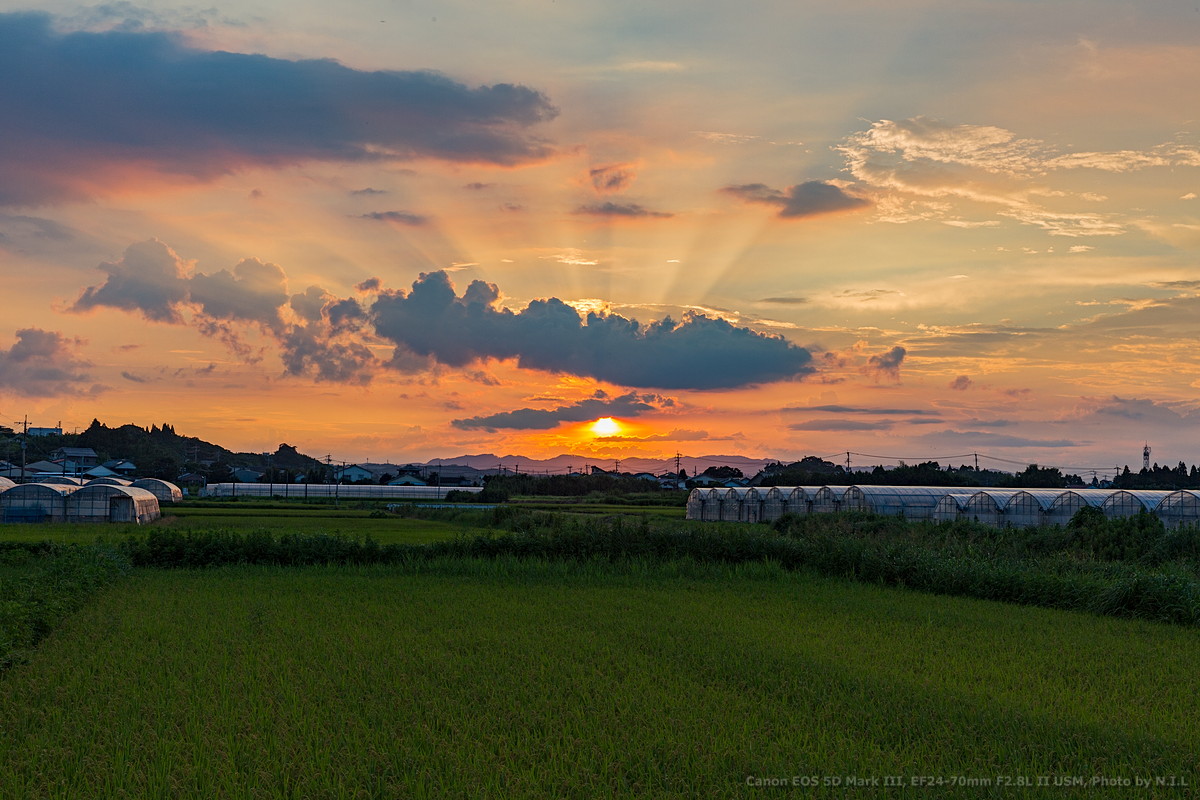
328, 337
79, 107
599, 405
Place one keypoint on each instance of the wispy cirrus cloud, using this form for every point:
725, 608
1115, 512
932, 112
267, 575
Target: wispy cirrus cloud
922, 168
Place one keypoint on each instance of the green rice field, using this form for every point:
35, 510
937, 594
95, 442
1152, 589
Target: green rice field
505, 678
294, 518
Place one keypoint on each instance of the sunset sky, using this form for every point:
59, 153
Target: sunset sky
407, 229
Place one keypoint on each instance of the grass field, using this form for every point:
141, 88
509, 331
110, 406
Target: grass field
505, 678
293, 518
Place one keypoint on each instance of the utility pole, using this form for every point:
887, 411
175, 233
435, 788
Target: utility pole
24, 445
677, 458
617, 465
847, 461
976, 461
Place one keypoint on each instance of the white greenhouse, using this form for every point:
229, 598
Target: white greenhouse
109, 481
911, 502
828, 499
35, 502
1127, 503
1180, 508
999, 507
104, 503
1029, 507
165, 491
1069, 502
60, 480
333, 491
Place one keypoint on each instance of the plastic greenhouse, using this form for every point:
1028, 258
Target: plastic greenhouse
60, 480
1029, 507
912, 502
1069, 502
165, 491
1127, 503
750, 504
828, 499
103, 503
731, 503
109, 482
950, 507
712, 504
1180, 508
695, 504
35, 502
333, 491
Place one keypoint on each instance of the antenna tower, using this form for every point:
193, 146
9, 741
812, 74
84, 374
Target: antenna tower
1146, 457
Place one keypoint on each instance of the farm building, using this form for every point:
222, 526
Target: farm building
103, 503
165, 491
35, 502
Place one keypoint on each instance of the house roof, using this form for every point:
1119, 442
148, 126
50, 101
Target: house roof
77, 452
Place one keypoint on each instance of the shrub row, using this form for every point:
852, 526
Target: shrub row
877, 550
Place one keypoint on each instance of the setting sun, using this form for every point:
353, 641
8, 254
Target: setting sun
606, 426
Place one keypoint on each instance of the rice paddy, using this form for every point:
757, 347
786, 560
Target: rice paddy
527, 677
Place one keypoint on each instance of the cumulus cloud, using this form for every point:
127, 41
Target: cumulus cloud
81, 109
149, 278
330, 338
887, 364
44, 364
599, 405
808, 199
253, 291
698, 353
620, 210
320, 335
